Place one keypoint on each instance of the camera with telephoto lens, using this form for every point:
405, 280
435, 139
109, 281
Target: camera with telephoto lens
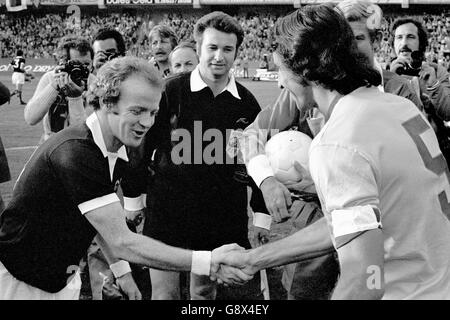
411, 69
77, 71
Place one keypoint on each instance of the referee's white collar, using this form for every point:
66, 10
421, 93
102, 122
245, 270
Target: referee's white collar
198, 84
94, 125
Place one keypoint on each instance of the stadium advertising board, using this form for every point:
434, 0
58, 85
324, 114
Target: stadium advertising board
32, 65
67, 2
153, 2
265, 75
18, 5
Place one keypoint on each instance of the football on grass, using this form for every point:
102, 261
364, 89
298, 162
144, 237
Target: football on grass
283, 149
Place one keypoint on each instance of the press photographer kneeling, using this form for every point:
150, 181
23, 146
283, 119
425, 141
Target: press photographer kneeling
430, 80
58, 98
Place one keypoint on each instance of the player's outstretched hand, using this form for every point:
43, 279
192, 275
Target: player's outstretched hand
231, 276
127, 285
226, 262
230, 265
277, 198
305, 184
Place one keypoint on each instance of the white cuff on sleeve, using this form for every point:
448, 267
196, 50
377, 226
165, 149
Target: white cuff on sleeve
120, 268
259, 168
262, 220
98, 203
133, 204
201, 263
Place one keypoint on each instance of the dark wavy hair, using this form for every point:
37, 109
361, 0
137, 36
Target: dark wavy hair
82, 45
220, 21
317, 44
108, 33
422, 33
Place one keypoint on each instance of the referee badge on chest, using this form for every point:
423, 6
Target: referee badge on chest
117, 184
232, 147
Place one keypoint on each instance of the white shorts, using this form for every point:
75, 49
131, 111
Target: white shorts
18, 78
13, 289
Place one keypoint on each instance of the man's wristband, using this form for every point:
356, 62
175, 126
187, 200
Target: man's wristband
201, 263
120, 268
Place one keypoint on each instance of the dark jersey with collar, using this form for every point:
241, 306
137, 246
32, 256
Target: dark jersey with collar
18, 64
43, 234
196, 198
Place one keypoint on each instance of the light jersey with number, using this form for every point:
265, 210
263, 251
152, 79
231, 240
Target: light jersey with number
378, 156
18, 64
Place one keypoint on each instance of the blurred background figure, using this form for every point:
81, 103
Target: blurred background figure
183, 58
18, 76
162, 41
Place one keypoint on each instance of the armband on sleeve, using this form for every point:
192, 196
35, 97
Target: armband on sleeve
349, 223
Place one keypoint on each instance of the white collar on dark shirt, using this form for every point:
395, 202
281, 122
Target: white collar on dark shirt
94, 125
198, 84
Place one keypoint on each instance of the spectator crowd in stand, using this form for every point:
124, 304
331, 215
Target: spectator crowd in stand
37, 33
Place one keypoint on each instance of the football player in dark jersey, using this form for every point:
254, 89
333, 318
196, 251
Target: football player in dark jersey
18, 76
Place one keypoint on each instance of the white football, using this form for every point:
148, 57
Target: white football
283, 149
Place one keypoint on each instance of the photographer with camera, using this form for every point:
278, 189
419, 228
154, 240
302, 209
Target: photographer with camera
107, 45
410, 42
58, 99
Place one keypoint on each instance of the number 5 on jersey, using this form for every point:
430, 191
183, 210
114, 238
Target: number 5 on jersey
438, 165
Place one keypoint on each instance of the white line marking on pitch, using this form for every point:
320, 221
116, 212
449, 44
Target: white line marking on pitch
20, 148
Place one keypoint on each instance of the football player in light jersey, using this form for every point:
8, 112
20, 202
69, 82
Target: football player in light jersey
307, 280
18, 76
376, 164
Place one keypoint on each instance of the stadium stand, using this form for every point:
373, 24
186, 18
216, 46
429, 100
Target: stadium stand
19, 30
